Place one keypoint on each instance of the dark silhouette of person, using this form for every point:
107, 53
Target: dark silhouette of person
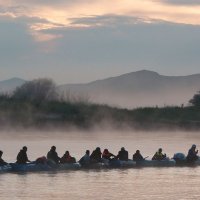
67, 158
192, 154
41, 160
85, 160
107, 155
52, 155
22, 157
96, 155
137, 156
123, 154
2, 162
159, 155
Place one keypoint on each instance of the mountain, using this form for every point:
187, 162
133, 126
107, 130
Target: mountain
10, 84
138, 89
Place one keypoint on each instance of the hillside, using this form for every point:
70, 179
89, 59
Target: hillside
10, 84
139, 89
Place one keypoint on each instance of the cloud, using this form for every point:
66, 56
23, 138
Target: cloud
95, 46
125, 45
62, 11
183, 2
107, 20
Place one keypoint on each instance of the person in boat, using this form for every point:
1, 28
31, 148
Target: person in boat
22, 157
67, 158
107, 155
95, 157
159, 155
85, 160
192, 154
122, 154
137, 156
52, 155
2, 162
41, 160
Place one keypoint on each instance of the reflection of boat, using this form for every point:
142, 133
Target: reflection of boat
157, 163
5, 168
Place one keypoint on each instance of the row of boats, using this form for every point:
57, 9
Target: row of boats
105, 164
107, 161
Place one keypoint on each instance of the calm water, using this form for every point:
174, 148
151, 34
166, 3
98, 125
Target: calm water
144, 183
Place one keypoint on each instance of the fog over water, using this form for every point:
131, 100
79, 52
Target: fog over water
136, 183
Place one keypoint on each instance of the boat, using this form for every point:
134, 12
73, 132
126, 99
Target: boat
121, 164
156, 163
32, 167
66, 166
5, 168
29, 167
181, 160
98, 165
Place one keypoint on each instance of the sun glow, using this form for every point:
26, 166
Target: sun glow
63, 14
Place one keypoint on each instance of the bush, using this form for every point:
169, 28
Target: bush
37, 90
195, 101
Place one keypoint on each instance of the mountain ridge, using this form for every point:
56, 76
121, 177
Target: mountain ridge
135, 89
140, 88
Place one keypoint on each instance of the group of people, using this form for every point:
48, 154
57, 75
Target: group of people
95, 157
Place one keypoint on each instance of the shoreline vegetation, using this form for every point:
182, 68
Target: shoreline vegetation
36, 104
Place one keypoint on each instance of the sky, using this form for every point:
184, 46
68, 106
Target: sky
77, 41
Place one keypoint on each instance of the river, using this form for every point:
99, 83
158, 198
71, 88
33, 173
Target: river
111, 184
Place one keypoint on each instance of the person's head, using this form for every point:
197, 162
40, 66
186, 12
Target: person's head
1, 153
98, 149
122, 149
67, 153
87, 152
105, 150
137, 151
24, 148
194, 146
53, 148
160, 150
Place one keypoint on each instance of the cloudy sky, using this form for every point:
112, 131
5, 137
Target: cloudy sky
83, 40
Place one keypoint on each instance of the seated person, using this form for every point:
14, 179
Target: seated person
41, 160
52, 155
192, 154
159, 155
22, 157
137, 156
107, 155
85, 160
95, 157
67, 158
122, 154
2, 162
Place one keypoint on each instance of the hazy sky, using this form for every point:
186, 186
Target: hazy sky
84, 40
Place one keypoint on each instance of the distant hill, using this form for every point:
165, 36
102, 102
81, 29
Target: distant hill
136, 89
10, 84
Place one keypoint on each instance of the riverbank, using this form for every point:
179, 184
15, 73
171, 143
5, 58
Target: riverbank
82, 115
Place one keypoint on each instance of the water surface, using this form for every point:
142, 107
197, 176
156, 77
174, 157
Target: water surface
112, 184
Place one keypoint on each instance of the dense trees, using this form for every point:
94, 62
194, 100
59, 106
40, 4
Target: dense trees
195, 101
37, 90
